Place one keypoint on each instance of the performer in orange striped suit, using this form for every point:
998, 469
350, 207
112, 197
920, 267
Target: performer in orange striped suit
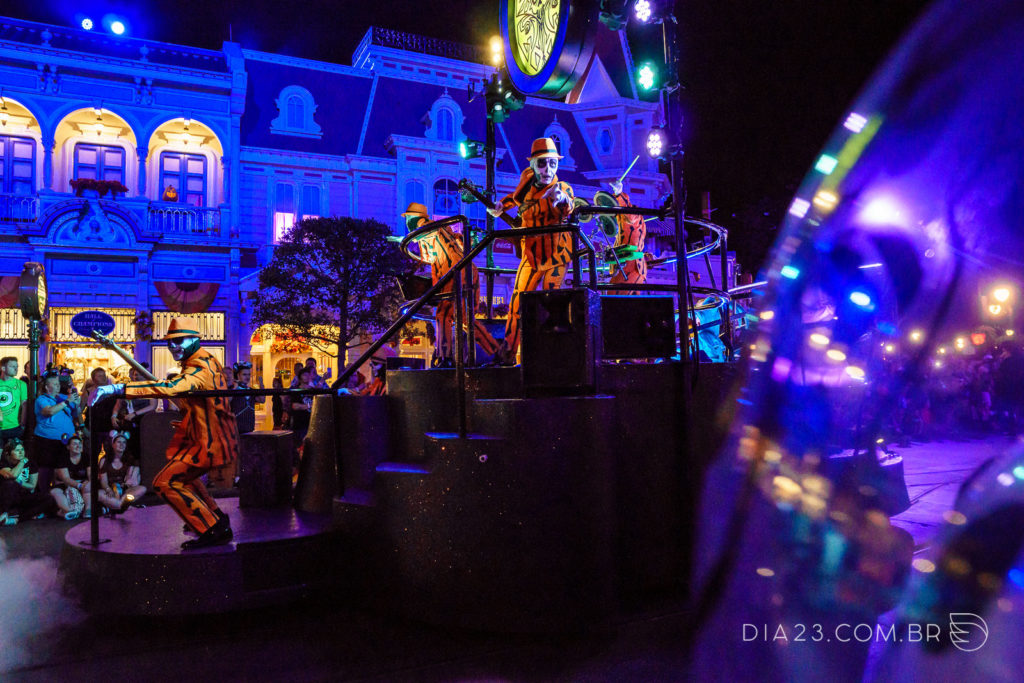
206, 437
632, 233
542, 200
442, 248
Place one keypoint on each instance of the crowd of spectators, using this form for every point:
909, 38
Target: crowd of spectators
47, 473
959, 396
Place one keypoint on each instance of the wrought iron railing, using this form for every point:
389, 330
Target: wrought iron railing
186, 220
18, 208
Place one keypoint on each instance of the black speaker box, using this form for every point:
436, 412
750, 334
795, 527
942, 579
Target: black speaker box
561, 339
638, 327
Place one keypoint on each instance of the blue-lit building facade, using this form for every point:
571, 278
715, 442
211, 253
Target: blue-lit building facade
221, 151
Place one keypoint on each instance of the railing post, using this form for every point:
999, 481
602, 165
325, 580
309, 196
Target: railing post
460, 367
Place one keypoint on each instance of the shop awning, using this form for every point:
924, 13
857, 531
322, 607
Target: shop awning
187, 297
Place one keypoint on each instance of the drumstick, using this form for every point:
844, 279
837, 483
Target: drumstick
629, 168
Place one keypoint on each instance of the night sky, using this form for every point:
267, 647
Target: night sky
766, 81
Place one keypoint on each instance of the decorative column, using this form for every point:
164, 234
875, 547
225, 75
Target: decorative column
48, 145
225, 169
143, 153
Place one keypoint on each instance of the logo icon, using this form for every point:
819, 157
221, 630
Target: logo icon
967, 631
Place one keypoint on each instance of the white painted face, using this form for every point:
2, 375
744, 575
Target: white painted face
545, 169
182, 348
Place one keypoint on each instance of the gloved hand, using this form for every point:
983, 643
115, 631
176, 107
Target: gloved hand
106, 390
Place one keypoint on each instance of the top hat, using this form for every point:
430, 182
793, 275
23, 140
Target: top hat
179, 329
544, 148
416, 209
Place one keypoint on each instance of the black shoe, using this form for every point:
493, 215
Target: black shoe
218, 534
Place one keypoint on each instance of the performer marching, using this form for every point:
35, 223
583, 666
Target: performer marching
206, 436
629, 245
542, 200
442, 248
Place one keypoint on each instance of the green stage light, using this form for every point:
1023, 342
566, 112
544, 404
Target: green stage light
470, 149
647, 77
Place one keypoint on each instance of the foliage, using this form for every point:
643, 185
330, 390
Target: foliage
330, 280
102, 187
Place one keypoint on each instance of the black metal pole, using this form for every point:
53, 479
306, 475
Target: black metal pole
33, 373
460, 367
490, 159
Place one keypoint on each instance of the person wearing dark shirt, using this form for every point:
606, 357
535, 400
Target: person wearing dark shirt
244, 407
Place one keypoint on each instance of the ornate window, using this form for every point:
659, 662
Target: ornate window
187, 174
311, 201
17, 165
604, 141
447, 201
295, 107
444, 121
284, 210
100, 162
560, 135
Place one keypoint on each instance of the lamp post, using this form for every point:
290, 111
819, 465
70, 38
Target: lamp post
32, 298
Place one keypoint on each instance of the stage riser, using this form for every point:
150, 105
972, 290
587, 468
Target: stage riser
501, 537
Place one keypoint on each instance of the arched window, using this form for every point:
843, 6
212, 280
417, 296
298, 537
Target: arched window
444, 120
446, 198
557, 132
445, 125
295, 110
414, 192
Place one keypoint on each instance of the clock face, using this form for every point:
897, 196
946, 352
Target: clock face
534, 31
548, 44
41, 290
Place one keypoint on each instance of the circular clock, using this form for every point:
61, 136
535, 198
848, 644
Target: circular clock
548, 44
32, 291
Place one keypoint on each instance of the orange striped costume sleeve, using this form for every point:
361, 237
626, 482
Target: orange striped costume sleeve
207, 435
535, 210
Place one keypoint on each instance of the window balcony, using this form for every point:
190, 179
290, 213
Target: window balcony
18, 208
181, 219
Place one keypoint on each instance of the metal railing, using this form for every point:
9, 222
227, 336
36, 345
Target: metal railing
187, 220
18, 208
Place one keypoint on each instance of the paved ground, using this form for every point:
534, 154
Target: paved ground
44, 638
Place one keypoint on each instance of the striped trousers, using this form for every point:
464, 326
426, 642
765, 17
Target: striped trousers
528, 279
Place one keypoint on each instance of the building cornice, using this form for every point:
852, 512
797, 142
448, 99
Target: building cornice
303, 63
33, 55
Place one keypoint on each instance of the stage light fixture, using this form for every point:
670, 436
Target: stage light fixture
647, 77
87, 24
470, 149
117, 28
651, 11
1001, 294
661, 144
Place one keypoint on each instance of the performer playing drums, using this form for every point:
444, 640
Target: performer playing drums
542, 201
630, 265
442, 249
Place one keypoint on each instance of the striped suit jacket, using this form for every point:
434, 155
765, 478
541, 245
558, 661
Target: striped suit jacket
207, 435
542, 251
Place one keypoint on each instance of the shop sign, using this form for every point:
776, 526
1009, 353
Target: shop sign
85, 322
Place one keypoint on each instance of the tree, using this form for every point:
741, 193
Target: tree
331, 280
